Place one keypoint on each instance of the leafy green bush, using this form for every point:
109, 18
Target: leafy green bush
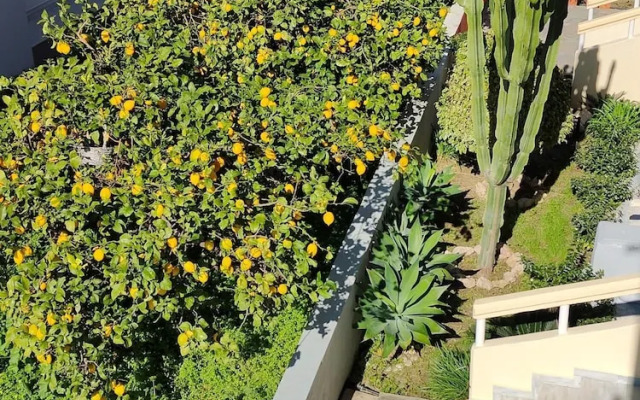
252, 374
14, 385
585, 223
617, 121
608, 157
449, 374
601, 191
456, 128
233, 131
576, 268
600, 155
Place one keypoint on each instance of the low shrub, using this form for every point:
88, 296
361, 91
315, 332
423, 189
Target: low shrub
607, 156
449, 374
456, 131
251, 374
603, 156
601, 191
617, 121
576, 268
236, 134
585, 223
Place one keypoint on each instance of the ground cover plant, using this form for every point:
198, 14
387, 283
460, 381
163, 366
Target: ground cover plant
234, 132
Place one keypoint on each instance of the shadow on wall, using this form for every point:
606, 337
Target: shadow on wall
588, 80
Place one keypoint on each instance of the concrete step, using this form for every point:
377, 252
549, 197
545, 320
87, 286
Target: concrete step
584, 385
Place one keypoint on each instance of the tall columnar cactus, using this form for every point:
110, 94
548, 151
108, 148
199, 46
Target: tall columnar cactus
517, 25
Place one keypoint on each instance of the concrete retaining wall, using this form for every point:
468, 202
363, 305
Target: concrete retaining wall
328, 346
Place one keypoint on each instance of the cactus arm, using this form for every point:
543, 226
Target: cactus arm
500, 25
525, 34
534, 117
476, 60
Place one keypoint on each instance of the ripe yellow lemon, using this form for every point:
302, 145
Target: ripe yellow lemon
404, 161
237, 148
172, 242
203, 277
312, 249
328, 218
63, 48
194, 178
283, 289
105, 194
18, 257
129, 49
105, 36
40, 221
88, 189
189, 267
226, 244
129, 105
136, 190
270, 154
159, 210
265, 92
98, 254
288, 188
246, 264
119, 389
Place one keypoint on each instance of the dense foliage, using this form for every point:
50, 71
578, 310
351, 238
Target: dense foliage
607, 156
455, 135
234, 133
409, 279
253, 374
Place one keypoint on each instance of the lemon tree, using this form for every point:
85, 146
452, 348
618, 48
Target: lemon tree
233, 133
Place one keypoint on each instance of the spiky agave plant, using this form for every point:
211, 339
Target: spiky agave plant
503, 154
429, 192
402, 248
401, 306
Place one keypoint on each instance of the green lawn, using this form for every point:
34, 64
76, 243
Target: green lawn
544, 232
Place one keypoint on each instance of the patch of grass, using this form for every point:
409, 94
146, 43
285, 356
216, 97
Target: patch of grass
544, 233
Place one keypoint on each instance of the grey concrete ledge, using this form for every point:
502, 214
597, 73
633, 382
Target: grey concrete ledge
328, 346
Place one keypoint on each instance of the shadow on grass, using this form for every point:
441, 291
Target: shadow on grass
539, 176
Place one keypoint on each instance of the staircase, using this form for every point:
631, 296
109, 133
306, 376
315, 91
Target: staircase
585, 385
558, 364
